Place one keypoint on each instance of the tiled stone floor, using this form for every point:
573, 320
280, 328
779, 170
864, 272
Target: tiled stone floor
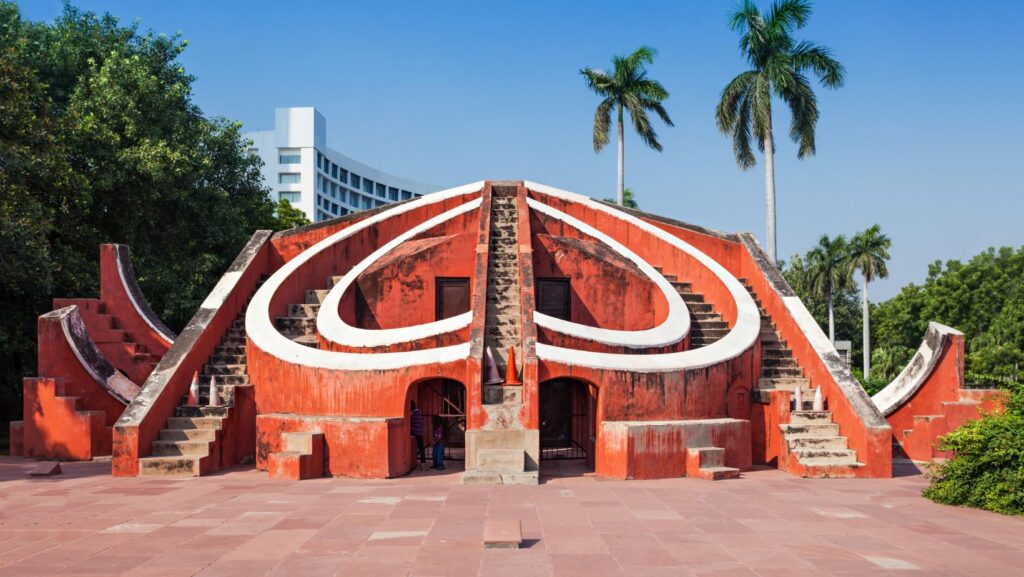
241, 523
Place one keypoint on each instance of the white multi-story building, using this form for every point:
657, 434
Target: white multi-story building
300, 168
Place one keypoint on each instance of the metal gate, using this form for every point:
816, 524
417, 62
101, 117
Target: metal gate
565, 423
445, 400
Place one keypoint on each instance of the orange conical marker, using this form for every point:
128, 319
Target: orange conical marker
511, 377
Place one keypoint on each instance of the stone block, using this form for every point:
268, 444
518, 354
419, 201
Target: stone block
47, 469
502, 534
500, 460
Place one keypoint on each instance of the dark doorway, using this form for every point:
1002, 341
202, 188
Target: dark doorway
566, 419
444, 401
452, 297
553, 296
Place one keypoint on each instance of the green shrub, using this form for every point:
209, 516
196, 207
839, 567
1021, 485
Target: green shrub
987, 470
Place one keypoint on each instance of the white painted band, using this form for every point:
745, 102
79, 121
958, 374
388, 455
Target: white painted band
332, 327
264, 335
744, 333
670, 331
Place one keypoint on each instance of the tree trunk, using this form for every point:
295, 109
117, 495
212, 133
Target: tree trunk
831, 321
867, 328
769, 191
621, 182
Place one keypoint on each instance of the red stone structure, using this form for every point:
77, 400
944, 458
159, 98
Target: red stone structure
525, 322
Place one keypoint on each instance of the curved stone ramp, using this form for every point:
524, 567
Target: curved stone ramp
69, 409
937, 339
111, 380
928, 400
127, 289
739, 339
264, 335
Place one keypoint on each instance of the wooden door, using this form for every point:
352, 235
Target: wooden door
553, 295
452, 297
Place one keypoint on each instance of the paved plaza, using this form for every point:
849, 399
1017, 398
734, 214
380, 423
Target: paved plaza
239, 522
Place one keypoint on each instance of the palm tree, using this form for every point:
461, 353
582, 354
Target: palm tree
627, 87
628, 199
828, 273
778, 65
868, 252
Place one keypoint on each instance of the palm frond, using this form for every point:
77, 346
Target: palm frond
741, 134
650, 89
803, 107
788, 15
809, 56
641, 124
603, 123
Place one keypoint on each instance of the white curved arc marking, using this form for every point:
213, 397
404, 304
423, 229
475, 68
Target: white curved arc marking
261, 331
138, 307
333, 328
743, 335
921, 366
672, 330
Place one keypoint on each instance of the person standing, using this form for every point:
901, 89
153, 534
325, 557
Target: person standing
416, 428
439, 447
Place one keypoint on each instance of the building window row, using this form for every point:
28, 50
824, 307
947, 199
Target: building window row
355, 182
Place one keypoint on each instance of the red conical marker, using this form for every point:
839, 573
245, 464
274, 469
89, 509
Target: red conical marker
511, 377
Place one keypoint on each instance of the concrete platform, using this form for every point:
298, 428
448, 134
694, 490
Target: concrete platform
240, 522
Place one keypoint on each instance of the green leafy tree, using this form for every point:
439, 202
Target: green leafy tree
100, 142
779, 65
845, 301
288, 216
828, 273
628, 199
983, 297
987, 470
627, 88
868, 253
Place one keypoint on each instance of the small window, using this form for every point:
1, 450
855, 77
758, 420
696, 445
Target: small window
291, 196
406, 195
254, 152
355, 181
343, 176
289, 178
553, 297
367, 186
381, 190
392, 193
342, 194
367, 203
289, 156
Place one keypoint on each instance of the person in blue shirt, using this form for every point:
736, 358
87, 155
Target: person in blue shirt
439, 447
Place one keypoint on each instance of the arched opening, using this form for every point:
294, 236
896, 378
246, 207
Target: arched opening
568, 424
443, 402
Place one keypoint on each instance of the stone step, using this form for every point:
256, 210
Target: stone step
203, 410
303, 310
779, 362
814, 417
232, 342
781, 372
195, 423
170, 466
333, 280
305, 325
830, 443
188, 435
682, 287
229, 349
181, 448
791, 430
833, 456
500, 460
775, 352
705, 316
315, 297
700, 330
224, 369
707, 324
306, 340
700, 308
692, 298
204, 379
788, 383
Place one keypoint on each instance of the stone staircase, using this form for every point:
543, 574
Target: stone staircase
300, 323
709, 463
117, 345
499, 449
706, 325
811, 436
191, 442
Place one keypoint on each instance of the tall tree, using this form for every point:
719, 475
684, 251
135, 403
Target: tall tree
828, 272
778, 65
628, 199
869, 251
627, 87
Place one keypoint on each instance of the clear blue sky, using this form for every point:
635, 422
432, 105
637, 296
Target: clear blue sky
924, 139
